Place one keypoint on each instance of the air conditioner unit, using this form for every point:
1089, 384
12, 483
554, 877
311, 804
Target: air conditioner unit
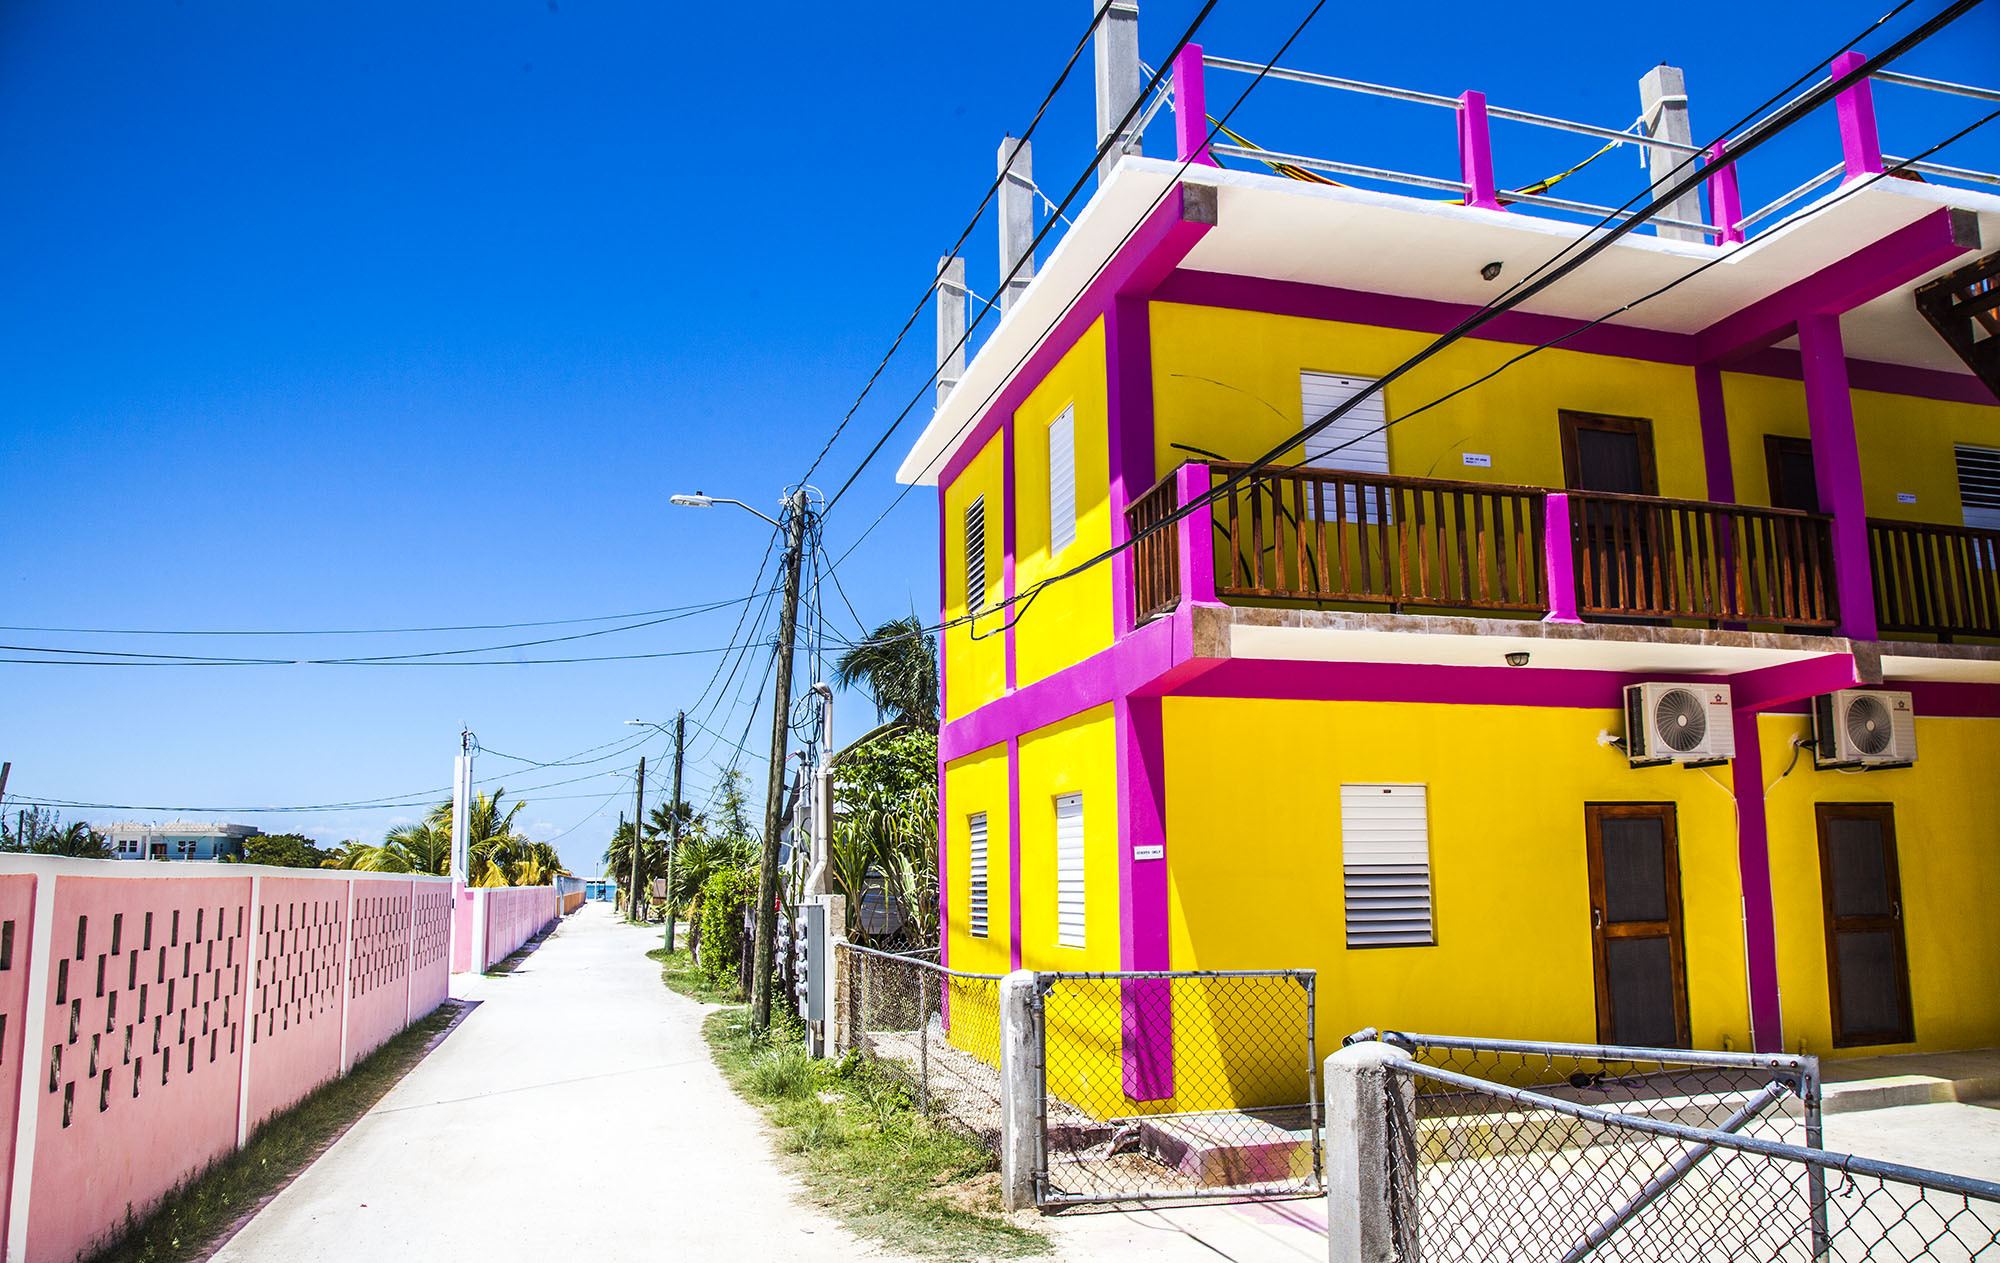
1678, 723
1864, 728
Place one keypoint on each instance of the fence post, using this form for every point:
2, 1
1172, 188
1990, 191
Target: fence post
1020, 1090
34, 953
1362, 1217
252, 937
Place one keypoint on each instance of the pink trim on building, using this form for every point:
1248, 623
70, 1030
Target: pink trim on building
1860, 140
1753, 861
1475, 151
1191, 107
1146, 1004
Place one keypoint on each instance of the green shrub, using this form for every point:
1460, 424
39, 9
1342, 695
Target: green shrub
723, 898
782, 1072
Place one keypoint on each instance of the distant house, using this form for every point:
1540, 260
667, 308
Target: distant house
178, 840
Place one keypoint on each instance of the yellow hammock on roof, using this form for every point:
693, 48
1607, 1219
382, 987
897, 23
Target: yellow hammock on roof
1292, 171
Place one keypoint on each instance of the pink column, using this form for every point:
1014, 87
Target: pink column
1197, 536
1837, 469
1715, 456
1558, 552
1190, 108
1725, 201
1475, 151
1753, 860
1007, 536
1014, 851
1146, 1003
944, 714
1860, 141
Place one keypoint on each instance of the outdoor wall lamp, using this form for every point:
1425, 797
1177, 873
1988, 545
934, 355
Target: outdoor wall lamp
1518, 658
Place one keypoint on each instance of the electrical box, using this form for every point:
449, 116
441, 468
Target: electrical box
815, 961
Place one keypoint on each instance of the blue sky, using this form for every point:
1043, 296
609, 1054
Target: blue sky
373, 315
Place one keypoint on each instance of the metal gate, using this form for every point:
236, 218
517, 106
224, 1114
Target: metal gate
1171, 1085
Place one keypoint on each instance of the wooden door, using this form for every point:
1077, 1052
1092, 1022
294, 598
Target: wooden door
1868, 972
1605, 453
1635, 924
1788, 462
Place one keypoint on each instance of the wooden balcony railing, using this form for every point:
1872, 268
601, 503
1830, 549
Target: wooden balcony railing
1338, 536
1931, 577
1645, 557
1156, 556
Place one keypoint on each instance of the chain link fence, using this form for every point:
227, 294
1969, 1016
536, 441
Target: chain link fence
1177, 1085
936, 1029
1504, 1150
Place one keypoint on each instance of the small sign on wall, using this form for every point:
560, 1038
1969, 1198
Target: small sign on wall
1478, 460
1906, 497
1154, 852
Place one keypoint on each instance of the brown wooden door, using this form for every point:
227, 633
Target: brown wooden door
1604, 453
1635, 923
1868, 972
1788, 462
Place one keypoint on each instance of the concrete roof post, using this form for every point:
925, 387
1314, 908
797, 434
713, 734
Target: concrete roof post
1363, 1218
1117, 52
1020, 1088
951, 293
1663, 106
1016, 212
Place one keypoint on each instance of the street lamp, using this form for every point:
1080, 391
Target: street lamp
796, 507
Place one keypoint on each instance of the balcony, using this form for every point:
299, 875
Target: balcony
1326, 538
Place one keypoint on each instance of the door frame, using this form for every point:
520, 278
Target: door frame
1668, 814
1570, 420
1885, 813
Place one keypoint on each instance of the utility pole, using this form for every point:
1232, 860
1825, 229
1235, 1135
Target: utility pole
674, 842
633, 908
781, 721
461, 811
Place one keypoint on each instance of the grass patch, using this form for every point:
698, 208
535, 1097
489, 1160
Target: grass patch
192, 1219
868, 1155
680, 973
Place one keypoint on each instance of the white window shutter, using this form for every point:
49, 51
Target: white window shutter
1062, 481
975, 556
1358, 440
1069, 871
1979, 485
976, 888
1386, 865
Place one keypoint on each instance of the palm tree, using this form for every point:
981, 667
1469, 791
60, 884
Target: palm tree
897, 665
498, 855
76, 840
701, 856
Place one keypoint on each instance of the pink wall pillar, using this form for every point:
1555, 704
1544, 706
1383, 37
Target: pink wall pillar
1860, 141
1190, 108
1197, 535
1129, 393
1837, 469
1475, 151
1725, 201
1146, 1003
1715, 456
1753, 860
1558, 550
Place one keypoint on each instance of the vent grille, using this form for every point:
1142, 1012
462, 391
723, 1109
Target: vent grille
1869, 728
1069, 871
1979, 485
1386, 865
1680, 720
1062, 481
975, 556
976, 888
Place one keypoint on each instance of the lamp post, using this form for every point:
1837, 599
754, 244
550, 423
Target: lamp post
795, 510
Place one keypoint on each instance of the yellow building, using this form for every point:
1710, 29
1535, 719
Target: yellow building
1228, 689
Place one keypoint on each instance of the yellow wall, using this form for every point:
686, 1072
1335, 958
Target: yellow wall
1070, 620
1906, 444
1253, 845
978, 782
975, 670
1228, 381
1077, 756
1948, 856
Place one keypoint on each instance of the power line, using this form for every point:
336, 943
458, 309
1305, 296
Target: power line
917, 311
347, 631
1113, 136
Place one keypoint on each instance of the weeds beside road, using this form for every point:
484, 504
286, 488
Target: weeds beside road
864, 1150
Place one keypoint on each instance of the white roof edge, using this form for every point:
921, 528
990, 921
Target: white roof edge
1124, 200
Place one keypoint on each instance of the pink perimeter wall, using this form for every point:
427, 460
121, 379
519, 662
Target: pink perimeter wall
152, 1014
140, 1056
514, 915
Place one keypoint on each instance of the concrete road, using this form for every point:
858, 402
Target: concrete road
574, 1114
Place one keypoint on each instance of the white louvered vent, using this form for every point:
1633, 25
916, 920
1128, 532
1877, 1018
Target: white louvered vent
1386, 865
975, 826
1979, 485
1062, 481
1069, 870
1358, 441
975, 556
